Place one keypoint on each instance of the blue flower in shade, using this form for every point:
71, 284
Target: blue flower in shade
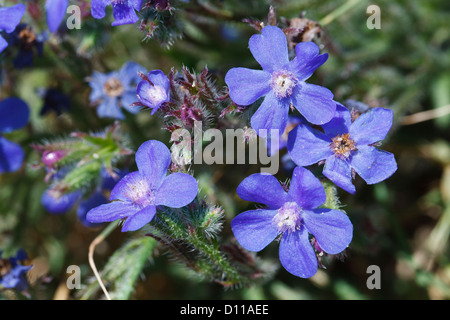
281, 82
153, 90
9, 19
56, 10
115, 90
14, 114
345, 146
56, 101
13, 272
29, 44
292, 216
123, 10
137, 195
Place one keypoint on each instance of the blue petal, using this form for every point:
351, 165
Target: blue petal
97, 84
98, 8
3, 44
125, 188
56, 10
264, 189
10, 17
307, 60
306, 189
339, 172
11, 156
128, 74
153, 159
270, 48
246, 85
271, 116
331, 228
93, 201
314, 102
297, 255
23, 59
307, 146
59, 205
177, 190
340, 123
254, 229
111, 211
109, 108
127, 99
124, 13
372, 126
139, 219
373, 165
14, 114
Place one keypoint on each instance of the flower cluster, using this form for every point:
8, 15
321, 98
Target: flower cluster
13, 272
346, 145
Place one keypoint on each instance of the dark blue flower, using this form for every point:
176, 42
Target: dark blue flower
137, 195
281, 83
154, 90
13, 271
56, 10
345, 146
14, 114
9, 19
55, 100
293, 216
123, 10
29, 44
115, 90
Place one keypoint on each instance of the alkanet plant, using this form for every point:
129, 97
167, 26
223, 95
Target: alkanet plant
124, 175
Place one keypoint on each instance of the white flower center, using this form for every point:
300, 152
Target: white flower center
288, 217
283, 83
155, 94
140, 193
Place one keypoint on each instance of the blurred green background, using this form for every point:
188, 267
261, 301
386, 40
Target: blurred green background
401, 225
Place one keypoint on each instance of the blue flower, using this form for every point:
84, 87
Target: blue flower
292, 216
123, 10
345, 146
9, 19
29, 44
13, 272
56, 10
281, 83
55, 100
153, 90
115, 90
136, 197
14, 114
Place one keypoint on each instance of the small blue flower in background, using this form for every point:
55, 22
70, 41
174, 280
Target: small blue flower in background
29, 44
345, 146
123, 10
291, 215
13, 272
281, 82
9, 19
56, 10
137, 195
153, 90
56, 203
55, 101
14, 114
115, 90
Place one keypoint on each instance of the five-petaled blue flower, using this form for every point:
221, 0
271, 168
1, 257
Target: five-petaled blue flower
292, 215
29, 44
13, 275
153, 90
345, 146
115, 90
14, 114
281, 83
137, 195
9, 19
123, 10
